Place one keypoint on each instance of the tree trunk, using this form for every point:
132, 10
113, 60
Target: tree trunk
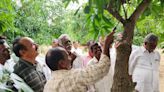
121, 80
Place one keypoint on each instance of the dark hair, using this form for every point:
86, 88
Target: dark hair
17, 47
92, 45
53, 56
2, 39
151, 38
16, 40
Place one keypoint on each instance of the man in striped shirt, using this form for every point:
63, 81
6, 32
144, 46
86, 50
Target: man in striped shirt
26, 50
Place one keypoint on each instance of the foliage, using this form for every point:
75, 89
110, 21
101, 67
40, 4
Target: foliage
150, 21
44, 20
9, 80
6, 16
32, 20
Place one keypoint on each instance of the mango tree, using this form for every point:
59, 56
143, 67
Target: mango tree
127, 12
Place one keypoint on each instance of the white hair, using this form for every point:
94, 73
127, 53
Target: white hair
61, 37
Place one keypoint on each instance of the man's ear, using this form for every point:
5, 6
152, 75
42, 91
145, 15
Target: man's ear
62, 64
21, 52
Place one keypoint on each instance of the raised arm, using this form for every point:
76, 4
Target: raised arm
108, 42
93, 73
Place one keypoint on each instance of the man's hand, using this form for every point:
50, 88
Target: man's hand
73, 57
108, 42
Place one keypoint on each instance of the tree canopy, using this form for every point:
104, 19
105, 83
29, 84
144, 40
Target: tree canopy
45, 20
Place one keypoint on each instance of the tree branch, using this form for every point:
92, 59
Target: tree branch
115, 14
125, 12
140, 9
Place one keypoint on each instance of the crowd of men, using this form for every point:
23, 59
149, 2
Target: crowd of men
65, 69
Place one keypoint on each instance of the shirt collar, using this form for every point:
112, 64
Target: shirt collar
59, 73
27, 63
1, 65
145, 50
95, 59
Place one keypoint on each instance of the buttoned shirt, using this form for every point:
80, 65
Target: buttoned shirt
28, 72
76, 80
144, 68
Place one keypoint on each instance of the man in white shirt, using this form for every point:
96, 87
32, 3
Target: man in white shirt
65, 79
144, 65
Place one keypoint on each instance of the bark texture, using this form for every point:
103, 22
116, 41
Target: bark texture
122, 81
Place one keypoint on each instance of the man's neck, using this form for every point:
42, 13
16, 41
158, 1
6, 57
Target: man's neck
2, 62
30, 60
150, 51
98, 58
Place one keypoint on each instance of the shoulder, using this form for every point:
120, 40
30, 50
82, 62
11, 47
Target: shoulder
21, 68
157, 54
137, 50
92, 61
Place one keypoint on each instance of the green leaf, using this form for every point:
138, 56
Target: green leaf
66, 2
77, 11
107, 20
87, 9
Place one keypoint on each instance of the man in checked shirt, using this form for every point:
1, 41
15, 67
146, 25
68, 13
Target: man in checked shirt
26, 68
65, 79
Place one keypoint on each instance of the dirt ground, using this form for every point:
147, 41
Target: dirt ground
162, 73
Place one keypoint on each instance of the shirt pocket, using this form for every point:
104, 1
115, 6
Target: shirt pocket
156, 64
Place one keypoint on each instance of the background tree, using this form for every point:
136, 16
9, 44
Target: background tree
42, 20
45, 20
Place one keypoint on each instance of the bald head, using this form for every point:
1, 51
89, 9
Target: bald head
25, 47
